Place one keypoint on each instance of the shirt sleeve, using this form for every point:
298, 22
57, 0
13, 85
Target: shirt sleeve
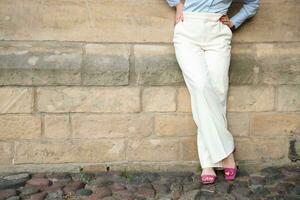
248, 10
173, 2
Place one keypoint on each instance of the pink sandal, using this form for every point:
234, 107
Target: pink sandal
229, 172
208, 178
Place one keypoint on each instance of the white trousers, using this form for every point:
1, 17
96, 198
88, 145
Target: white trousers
203, 47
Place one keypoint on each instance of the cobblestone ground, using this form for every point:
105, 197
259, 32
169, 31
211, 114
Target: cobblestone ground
269, 183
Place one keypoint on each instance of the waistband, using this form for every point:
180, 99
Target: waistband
188, 15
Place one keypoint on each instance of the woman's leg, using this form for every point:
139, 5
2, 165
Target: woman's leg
213, 140
218, 54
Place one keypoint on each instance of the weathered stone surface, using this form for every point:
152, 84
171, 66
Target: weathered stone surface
175, 125
151, 149
28, 191
57, 126
275, 124
38, 182
183, 100
280, 62
189, 150
238, 123
251, 98
244, 69
13, 198
55, 195
4, 194
193, 194
156, 65
69, 151
100, 193
162, 99
111, 125
95, 21
106, 64
39, 64
125, 194
21, 126
84, 192
268, 18
16, 100
39, 196
265, 183
288, 98
13, 180
71, 187
261, 149
6, 149
88, 99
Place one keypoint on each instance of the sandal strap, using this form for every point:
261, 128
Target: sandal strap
208, 175
231, 171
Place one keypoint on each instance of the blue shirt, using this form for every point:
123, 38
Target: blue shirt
220, 6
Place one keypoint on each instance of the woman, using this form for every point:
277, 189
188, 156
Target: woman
202, 41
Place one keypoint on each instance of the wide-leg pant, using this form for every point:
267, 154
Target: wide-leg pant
203, 49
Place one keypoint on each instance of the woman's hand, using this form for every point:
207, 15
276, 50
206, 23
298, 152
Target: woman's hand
225, 20
179, 12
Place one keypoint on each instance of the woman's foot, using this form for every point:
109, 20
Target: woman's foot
208, 175
230, 168
229, 161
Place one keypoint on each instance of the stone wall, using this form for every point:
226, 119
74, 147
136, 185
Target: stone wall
96, 85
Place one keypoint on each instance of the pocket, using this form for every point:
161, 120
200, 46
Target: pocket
177, 24
177, 28
228, 29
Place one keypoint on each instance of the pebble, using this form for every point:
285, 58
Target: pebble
38, 182
28, 191
57, 195
13, 198
13, 181
6, 193
84, 192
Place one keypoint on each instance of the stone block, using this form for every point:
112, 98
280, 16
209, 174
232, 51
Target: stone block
6, 154
161, 99
275, 124
106, 64
16, 100
156, 65
238, 123
183, 100
189, 149
39, 64
261, 149
251, 98
75, 151
57, 126
150, 149
20, 126
88, 99
288, 98
175, 125
280, 63
111, 125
